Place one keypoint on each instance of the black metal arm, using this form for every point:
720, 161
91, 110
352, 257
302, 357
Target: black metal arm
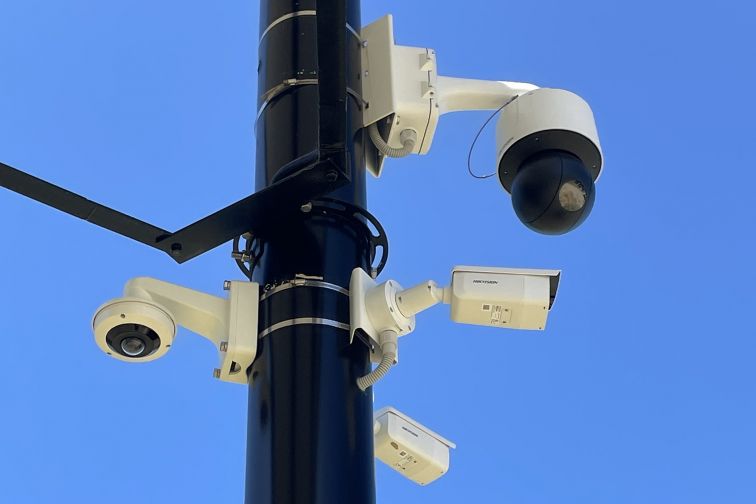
311, 177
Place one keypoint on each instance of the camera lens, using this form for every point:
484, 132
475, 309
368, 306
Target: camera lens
553, 192
572, 196
132, 346
133, 340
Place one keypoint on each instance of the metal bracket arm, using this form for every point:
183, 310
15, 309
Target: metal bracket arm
308, 177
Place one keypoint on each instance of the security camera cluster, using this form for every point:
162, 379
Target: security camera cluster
548, 156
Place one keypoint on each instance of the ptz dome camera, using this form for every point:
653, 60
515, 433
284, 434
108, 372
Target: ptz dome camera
549, 157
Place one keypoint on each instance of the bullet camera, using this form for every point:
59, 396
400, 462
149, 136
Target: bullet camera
410, 448
503, 297
508, 298
548, 151
549, 157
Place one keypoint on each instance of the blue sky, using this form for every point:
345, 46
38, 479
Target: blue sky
643, 387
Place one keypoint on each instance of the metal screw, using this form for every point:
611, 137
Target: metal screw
227, 285
224, 346
367, 73
216, 373
306, 208
364, 43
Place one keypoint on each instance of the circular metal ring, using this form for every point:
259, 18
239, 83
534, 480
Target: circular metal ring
352, 214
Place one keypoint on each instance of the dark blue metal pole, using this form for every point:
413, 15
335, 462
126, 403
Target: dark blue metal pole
310, 436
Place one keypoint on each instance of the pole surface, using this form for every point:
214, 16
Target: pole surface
310, 429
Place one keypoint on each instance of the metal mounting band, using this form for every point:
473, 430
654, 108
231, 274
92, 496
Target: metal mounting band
292, 15
304, 321
288, 84
303, 283
286, 17
354, 32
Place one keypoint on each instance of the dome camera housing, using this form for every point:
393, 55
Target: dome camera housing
134, 330
549, 158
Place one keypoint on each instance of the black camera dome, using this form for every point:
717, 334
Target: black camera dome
133, 340
552, 192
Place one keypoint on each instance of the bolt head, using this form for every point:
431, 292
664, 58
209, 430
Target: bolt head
227, 285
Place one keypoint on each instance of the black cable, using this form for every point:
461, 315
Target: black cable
480, 131
256, 259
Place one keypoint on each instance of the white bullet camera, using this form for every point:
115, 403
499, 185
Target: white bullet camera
503, 297
409, 448
494, 297
141, 326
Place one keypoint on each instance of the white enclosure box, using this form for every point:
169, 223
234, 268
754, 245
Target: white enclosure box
240, 352
399, 86
503, 297
409, 448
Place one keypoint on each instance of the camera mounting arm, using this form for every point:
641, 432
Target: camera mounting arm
405, 95
472, 94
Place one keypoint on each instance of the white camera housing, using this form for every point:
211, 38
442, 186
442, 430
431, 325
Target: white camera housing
151, 310
545, 119
399, 86
411, 449
502, 297
138, 312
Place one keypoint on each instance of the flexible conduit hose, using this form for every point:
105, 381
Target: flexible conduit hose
408, 138
389, 348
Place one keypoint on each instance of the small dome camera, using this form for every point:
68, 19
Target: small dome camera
134, 330
549, 158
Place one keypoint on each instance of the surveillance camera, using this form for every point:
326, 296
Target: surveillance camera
134, 330
409, 448
141, 326
548, 149
549, 158
495, 297
503, 297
